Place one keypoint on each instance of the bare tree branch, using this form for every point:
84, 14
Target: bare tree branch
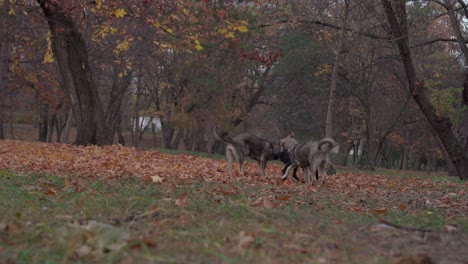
326, 24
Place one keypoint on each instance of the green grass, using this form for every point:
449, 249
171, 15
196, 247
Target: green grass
214, 156
48, 219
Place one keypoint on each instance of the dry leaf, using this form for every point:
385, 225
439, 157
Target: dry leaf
245, 240
267, 203
51, 191
156, 179
257, 202
381, 210
181, 200
402, 207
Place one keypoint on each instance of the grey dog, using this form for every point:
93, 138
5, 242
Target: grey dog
246, 144
313, 157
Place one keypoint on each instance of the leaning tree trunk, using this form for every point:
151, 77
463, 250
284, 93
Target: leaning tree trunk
70, 50
396, 17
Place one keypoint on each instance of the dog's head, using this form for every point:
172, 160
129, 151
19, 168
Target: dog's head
288, 142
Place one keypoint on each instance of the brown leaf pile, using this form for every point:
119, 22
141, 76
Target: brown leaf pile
108, 162
113, 162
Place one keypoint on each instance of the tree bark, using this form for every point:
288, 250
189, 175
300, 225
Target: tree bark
43, 121
136, 116
5, 51
395, 12
334, 77
463, 129
69, 48
67, 129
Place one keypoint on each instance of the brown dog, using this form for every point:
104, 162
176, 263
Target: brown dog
313, 157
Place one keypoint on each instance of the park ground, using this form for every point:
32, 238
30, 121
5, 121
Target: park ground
67, 204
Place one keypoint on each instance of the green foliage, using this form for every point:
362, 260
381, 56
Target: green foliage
447, 103
300, 86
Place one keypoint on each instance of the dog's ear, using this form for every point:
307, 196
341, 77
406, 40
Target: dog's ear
291, 134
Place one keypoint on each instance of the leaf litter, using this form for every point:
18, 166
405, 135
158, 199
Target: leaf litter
374, 195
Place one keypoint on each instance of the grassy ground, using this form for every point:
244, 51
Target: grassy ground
48, 219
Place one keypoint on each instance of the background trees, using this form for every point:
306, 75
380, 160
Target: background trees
244, 65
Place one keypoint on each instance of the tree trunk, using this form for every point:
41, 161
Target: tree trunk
334, 78
43, 121
404, 158
52, 122
136, 116
5, 50
345, 148
66, 131
455, 22
118, 94
396, 17
176, 142
72, 56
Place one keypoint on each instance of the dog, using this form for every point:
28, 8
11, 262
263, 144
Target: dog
284, 157
312, 157
247, 144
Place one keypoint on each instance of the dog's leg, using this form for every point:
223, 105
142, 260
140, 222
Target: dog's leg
230, 157
315, 169
306, 176
286, 174
286, 167
323, 170
324, 175
241, 166
295, 174
260, 167
263, 167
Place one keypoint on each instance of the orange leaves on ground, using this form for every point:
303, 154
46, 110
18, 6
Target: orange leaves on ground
370, 194
103, 162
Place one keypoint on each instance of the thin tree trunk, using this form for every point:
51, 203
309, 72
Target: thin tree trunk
66, 131
136, 116
43, 121
52, 121
334, 78
5, 51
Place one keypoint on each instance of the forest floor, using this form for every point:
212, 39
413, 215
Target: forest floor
63, 203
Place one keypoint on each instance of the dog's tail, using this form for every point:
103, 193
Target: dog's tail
217, 136
326, 141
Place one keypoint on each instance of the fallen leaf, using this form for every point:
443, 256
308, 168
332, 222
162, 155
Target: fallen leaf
257, 202
381, 210
245, 240
402, 207
156, 179
51, 191
181, 200
267, 203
